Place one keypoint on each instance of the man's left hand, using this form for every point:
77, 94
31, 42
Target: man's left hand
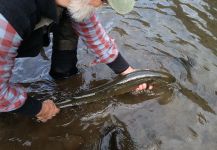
141, 87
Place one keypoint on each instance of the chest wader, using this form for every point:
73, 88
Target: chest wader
64, 53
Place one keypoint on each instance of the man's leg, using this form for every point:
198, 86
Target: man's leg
64, 56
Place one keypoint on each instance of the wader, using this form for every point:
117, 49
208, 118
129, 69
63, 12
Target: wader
65, 40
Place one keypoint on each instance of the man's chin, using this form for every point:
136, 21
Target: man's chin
80, 10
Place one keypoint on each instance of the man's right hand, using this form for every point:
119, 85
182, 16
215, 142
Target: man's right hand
48, 111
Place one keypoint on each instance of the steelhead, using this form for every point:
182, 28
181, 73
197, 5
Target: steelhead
120, 85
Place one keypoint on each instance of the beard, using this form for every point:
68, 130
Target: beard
80, 9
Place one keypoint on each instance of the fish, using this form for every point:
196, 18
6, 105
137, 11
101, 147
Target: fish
120, 85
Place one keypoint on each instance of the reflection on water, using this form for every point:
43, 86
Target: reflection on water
177, 36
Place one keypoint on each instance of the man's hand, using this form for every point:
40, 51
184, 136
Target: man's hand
48, 111
141, 87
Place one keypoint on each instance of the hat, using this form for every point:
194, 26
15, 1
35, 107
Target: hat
122, 6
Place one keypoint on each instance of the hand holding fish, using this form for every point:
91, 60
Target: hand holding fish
141, 87
48, 111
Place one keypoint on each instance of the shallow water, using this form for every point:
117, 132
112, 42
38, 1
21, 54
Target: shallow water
179, 37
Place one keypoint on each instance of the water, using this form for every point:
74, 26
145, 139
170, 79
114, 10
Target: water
179, 37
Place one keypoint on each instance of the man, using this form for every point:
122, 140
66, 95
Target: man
24, 29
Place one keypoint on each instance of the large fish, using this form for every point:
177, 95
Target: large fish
120, 85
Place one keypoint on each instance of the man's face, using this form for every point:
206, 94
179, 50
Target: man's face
81, 9
96, 3
65, 3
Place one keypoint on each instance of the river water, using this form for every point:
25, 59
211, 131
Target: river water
176, 36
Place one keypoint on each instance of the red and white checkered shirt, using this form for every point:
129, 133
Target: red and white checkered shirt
97, 40
13, 96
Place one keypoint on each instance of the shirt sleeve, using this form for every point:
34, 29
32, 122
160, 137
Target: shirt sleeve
99, 42
12, 96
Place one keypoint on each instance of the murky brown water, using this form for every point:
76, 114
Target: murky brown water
177, 36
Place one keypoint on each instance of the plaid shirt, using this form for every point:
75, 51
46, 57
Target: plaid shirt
97, 40
13, 96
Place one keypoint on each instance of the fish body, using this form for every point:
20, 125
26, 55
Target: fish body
120, 85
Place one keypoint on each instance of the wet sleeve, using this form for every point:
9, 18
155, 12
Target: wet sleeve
31, 107
12, 96
101, 44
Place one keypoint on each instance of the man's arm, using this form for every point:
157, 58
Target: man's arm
98, 41
13, 97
